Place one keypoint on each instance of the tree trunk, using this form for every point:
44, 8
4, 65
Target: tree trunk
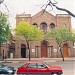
61, 52
29, 52
28, 49
53, 4
0, 52
65, 11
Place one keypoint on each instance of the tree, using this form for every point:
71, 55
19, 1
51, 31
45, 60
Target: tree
73, 34
73, 37
60, 35
4, 30
1, 1
29, 32
53, 4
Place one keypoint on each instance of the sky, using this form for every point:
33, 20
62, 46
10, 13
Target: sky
34, 6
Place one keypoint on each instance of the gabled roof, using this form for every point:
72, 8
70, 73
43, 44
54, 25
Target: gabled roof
42, 12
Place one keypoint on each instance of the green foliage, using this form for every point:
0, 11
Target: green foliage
60, 34
4, 28
30, 33
73, 36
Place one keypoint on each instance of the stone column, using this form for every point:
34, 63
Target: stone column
16, 55
49, 52
48, 28
17, 49
38, 27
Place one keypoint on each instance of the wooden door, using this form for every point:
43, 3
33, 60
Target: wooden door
23, 51
44, 50
65, 50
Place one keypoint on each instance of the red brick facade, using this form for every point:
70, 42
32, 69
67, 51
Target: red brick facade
48, 48
44, 48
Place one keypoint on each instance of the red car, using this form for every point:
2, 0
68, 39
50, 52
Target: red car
38, 68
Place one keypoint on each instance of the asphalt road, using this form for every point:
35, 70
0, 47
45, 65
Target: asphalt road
68, 67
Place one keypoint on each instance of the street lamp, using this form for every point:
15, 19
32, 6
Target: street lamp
1, 1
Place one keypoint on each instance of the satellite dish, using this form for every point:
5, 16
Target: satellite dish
1, 1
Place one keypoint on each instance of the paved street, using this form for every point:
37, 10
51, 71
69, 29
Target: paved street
68, 65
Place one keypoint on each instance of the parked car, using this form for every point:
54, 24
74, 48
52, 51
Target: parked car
5, 69
38, 68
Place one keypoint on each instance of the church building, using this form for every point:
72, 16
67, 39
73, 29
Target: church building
45, 48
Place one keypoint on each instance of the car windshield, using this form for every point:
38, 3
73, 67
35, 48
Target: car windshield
22, 65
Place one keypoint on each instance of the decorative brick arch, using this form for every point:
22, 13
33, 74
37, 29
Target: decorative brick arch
52, 25
35, 24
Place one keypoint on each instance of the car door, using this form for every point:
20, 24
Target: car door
32, 68
43, 69
3, 71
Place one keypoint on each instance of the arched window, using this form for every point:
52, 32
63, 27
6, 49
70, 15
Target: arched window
35, 24
43, 26
52, 25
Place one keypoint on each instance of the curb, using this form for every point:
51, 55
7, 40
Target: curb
21, 60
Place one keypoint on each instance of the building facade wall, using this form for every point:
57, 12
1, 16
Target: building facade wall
36, 46
63, 20
52, 47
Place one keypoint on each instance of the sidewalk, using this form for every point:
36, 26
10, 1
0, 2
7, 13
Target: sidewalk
20, 60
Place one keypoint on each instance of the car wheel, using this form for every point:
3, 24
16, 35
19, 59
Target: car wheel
54, 74
22, 74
